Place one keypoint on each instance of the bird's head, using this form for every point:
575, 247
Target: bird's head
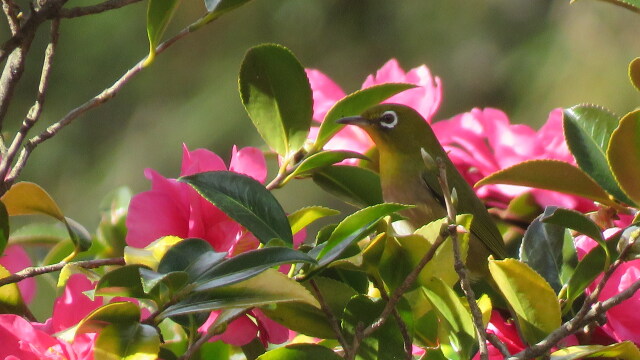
394, 127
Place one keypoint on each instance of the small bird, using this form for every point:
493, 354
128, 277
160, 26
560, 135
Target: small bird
401, 134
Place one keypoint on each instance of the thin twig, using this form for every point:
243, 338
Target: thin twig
408, 342
211, 332
95, 9
36, 110
104, 96
35, 271
13, 70
333, 321
459, 265
498, 344
11, 11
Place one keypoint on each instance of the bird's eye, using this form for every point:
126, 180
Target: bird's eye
389, 119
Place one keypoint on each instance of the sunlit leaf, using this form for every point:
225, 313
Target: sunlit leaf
307, 215
323, 159
133, 341
624, 149
300, 352
123, 281
550, 175
246, 201
530, 297
11, 301
193, 256
587, 130
276, 93
122, 313
354, 185
354, 104
159, 14
625, 350
151, 255
634, 72
216, 9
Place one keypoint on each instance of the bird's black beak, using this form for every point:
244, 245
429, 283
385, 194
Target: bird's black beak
354, 120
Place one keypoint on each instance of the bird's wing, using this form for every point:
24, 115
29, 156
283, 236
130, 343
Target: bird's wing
433, 185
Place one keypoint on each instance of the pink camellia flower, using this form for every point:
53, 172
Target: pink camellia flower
15, 259
484, 141
173, 208
623, 320
425, 99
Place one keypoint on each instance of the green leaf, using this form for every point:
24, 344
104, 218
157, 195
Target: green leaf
249, 264
550, 175
11, 301
249, 293
351, 184
121, 313
276, 93
127, 341
25, 198
541, 249
193, 256
151, 255
587, 130
123, 281
309, 320
633, 5
354, 227
246, 201
216, 9
159, 14
455, 319
385, 343
530, 297
625, 350
300, 352
624, 149
321, 160
162, 287
355, 104
4, 228
307, 215
634, 72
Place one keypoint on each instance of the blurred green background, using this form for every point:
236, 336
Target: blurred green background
523, 56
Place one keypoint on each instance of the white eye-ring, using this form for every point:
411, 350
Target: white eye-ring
389, 119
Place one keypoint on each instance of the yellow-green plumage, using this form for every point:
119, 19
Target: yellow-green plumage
399, 133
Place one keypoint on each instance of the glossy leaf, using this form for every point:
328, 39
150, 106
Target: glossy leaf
151, 255
249, 293
309, 320
385, 343
307, 215
624, 149
625, 350
216, 9
249, 264
122, 313
323, 159
587, 130
634, 72
159, 14
193, 256
541, 249
123, 281
355, 104
11, 301
276, 93
300, 352
354, 227
353, 185
550, 175
133, 341
4, 228
530, 297
454, 317
246, 201
25, 198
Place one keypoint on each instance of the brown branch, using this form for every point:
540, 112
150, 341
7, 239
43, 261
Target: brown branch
11, 10
408, 341
35, 271
13, 70
333, 321
36, 110
95, 9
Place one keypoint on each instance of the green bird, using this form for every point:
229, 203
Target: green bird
401, 134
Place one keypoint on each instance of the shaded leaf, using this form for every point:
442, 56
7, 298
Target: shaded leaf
455, 320
355, 104
353, 185
323, 159
123, 281
127, 341
193, 256
122, 313
216, 9
550, 175
530, 297
625, 350
276, 93
159, 14
300, 352
4, 228
354, 227
541, 249
624, 149
634, 72
246, 201
307, 215
587, 130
